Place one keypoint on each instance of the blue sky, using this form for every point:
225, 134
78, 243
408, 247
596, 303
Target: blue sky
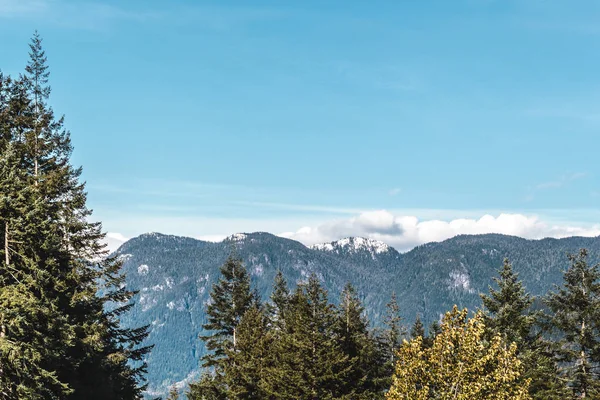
321, 119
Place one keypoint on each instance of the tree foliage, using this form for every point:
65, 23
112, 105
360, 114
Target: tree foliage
459, 365
61, 297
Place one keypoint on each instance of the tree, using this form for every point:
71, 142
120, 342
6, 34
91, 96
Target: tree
230, 298
69, 294
417, 330
459, 365
309, 362
507, 308
280, 298
358, 345
575, 320
395, 330
250, 359
507, 313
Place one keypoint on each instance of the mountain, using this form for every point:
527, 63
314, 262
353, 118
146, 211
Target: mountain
175, 274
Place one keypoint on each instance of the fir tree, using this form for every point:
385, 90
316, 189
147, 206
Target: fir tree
507, 313
69, 325
280, 297
310, 363
358, 345
248, 362
417, 330
230, 298
395, 330
575, 319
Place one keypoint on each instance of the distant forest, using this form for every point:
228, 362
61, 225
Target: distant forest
62, 298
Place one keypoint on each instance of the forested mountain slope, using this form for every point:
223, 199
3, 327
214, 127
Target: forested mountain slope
175, 274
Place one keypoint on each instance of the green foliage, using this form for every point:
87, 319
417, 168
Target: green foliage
508, 314
575, 319
60, 307
230, 298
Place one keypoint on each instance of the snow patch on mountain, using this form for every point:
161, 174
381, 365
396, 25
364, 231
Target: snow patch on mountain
354, 245
460, 280
237, 237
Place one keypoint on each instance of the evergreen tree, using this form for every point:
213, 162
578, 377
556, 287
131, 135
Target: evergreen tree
280, 297
249, 359
395, 330
68, 327
507, 308
575, 320
207, 388
417, 330
310, 363
507, 313
230, 298
359, 346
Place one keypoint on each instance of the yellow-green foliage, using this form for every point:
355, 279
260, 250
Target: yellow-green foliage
460, 365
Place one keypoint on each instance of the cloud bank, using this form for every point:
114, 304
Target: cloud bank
402, 232
405, 232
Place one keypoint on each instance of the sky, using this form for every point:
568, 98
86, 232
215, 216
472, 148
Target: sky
403, 121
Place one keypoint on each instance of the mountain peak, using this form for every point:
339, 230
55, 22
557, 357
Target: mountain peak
354, 244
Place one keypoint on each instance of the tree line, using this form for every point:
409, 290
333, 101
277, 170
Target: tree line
60, 295
297, 345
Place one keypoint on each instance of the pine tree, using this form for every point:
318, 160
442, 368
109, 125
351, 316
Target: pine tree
460, 365
249, 361
417, 330
575, 319
310, 363
395, 330
507, 313
357, 343
230, 298
280, 297
70, 302
207, 388
507, 308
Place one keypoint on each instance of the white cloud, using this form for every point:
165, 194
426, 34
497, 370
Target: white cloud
405, 232
113, 240
212, 238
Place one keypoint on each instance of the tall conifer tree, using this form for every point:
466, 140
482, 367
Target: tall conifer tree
575, 318
51, 257
508, 314
230, 298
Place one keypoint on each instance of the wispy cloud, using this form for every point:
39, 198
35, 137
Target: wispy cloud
20, 8
79, 15
300, 207
395, 191
561, 181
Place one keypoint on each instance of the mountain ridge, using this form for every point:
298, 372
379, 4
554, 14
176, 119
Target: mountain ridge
174, 276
